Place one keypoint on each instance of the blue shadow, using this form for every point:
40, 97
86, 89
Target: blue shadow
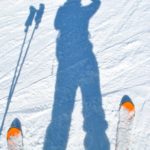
30, 18
77, 68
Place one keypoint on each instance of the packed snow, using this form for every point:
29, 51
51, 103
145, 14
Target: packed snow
77, 65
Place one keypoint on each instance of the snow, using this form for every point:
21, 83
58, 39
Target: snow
120, 35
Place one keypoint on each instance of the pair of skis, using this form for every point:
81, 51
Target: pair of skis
126, 116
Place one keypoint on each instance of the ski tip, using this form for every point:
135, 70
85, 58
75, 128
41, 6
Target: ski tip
16, 123
15, 129
13, 132
127, 103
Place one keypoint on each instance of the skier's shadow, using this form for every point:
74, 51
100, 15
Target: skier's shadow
77, 68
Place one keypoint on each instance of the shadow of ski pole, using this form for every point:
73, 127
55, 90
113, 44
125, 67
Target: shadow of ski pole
14, 82
19, 66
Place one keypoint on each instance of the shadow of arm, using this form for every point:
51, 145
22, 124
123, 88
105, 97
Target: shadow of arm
91, 9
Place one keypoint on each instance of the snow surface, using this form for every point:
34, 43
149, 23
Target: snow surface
120, 35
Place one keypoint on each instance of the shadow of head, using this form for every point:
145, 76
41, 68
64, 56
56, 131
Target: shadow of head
72, 22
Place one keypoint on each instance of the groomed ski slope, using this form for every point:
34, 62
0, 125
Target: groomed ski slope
120, 35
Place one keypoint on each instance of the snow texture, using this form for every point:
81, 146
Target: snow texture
76, 64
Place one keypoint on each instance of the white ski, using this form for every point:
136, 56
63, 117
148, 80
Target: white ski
126, 116
15, 136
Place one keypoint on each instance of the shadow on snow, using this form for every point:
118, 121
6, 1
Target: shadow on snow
77, 68
33, 15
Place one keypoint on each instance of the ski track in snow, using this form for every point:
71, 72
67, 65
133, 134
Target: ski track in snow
120, 35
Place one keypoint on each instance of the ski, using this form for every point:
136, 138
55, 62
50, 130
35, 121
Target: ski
15, 136
126, 116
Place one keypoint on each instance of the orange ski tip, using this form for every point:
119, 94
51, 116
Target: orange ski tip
129, 106
13, 132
